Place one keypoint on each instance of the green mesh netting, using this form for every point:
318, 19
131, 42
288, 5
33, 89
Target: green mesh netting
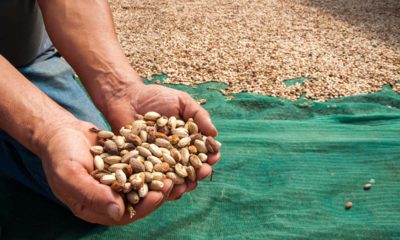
287, 169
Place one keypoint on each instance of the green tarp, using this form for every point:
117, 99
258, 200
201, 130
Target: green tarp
286, 171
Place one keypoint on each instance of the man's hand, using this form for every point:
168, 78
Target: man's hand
67, 163
140, 98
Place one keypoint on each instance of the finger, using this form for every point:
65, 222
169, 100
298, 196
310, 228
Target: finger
213, 158
177, 192
88, 199
150, 203
204, 171
191, 186
200, 116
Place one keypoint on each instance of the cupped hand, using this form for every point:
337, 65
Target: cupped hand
140, 98
68, 162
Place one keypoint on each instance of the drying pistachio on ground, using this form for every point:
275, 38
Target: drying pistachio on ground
149, 150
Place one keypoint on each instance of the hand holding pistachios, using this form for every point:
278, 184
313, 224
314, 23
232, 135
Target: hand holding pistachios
146, 152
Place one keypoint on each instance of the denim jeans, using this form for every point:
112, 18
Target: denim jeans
55, 78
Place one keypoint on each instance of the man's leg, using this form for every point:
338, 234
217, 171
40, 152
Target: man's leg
55, 78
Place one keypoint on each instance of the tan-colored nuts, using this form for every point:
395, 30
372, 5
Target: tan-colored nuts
158, 176
112, 159
137, 180
191, 173
192, 127
174, 139
137, 166
146, 145
162, 142
98, 163
151, 116
130, 146
105, 134
162, 121
172, 122
176, 154
154, 160
161, 135
184, 142
195, 161
156, 185
155, 150
104, 155
164, 150
120, 176
180, 170
111, 147
116, 166
143, 135
180, 132
143, 151
120, 141
148, 166
169, 159
127, 170
148, 177
97, 174
180, 123
203, 157
185, 155
151, 134
195, 137
137, 126
150, 123
131, 210
125, 131
201, 146
140, 158
175, 178
97, 150
164, 130
192, 149
143, 190
135, 139
127, 187
117, 186
128, 156
133, 197
212, 145
107, 179
161, 167
123, 152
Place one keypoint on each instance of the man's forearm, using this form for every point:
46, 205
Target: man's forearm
83, 32
26, 113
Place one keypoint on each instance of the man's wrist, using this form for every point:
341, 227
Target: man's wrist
108, 86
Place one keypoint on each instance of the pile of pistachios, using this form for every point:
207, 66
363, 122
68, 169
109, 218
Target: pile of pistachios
146, 152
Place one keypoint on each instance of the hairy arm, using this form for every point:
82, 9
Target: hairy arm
26, 113
84, 34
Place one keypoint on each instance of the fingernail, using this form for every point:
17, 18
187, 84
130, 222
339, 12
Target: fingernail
170, 190
160, 200
113, 211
